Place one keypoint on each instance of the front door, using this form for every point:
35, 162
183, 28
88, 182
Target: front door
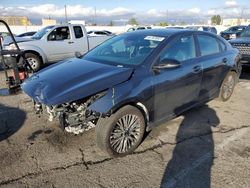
59, 44
179, 87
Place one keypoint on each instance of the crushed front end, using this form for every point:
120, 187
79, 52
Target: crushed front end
77, 92
74, 117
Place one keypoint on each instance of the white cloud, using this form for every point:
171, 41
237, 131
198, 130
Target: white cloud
46, 10
194, 10
119, 11
230, 4
211, 12
156, 13
230, 9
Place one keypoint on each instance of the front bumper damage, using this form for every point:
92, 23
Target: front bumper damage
74, 117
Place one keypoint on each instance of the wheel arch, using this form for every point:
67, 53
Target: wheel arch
220, 94
234, 70
140, 106
33, 52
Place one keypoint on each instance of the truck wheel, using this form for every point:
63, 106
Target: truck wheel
34, 61
121, 133
227, 86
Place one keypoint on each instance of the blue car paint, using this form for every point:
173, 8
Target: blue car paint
131, 91
73, 80
165, 94
240, 40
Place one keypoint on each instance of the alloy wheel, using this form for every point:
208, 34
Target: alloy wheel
125, 133
228, 87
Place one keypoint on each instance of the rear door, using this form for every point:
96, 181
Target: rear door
214, 57
177, 88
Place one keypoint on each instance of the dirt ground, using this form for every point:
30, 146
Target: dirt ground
208, 146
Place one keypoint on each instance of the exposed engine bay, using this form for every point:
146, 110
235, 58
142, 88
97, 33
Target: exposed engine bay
74, 117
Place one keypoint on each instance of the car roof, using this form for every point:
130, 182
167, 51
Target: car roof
166, 32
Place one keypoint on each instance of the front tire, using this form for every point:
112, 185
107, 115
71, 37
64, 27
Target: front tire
227, 86
122, 132
34, 61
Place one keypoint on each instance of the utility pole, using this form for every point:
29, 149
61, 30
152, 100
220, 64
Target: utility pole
95, 15
66, 16
166, 15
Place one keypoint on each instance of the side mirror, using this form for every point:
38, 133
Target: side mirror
78, 55
167, 64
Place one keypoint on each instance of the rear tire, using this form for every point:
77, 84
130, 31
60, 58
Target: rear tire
227, 86
122, 132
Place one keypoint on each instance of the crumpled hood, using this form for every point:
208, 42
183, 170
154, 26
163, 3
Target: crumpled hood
72, 80
240, 40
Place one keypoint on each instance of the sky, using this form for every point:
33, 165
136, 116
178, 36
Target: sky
145, 11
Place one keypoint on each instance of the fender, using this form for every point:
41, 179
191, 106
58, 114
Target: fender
29, 48
119, 96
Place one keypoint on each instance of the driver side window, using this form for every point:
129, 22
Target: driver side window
180, 49
60, 33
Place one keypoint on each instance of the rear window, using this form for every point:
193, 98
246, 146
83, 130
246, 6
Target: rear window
222, 45
208, 45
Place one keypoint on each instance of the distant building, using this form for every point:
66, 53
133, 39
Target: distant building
77, 22
46, 22
235, 21
16, 20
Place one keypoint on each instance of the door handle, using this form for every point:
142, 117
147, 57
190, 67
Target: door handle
70, 42
197, 69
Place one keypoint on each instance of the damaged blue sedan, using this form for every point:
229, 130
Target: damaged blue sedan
133, 82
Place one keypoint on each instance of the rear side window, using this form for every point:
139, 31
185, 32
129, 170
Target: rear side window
208, 45
222, 45
78, 32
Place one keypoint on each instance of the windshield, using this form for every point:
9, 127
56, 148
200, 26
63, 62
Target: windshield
39, 34
127, 49
246, 32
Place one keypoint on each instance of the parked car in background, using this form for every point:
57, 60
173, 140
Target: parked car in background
242, 43
3, 35
133, 82
27, 34
138, 28
19, 38
232, 32
203, 28
174, 27
99, 33
109, 32
55, 43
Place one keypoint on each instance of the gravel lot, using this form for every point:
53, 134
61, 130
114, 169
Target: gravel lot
208, 146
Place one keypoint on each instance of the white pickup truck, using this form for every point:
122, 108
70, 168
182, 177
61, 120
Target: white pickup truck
55, 43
